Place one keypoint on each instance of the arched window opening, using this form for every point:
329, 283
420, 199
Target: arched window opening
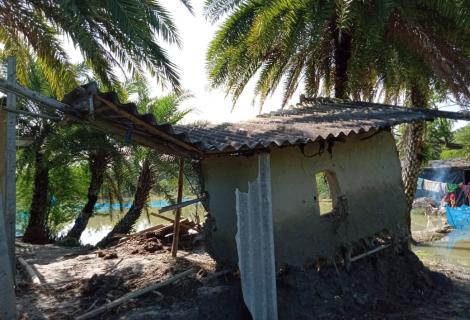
327, 192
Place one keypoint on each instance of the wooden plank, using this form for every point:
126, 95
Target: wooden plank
132, 295
180, 205
182, 223
150, 128
138, 137
176, 226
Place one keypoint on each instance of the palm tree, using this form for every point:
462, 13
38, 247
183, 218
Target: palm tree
81, 143
355, 48
37, 155
109, 34
165, 110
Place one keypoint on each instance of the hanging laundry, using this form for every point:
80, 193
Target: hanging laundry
420, 184
442, 187
432, 186
451, 187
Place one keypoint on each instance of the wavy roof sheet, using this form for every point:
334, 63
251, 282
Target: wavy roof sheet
312, 120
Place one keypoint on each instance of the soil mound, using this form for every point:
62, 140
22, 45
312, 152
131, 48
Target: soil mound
372, 288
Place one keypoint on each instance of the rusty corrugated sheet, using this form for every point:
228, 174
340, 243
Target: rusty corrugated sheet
255, 245
313, 120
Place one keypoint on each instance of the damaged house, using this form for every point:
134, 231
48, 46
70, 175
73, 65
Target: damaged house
288, 188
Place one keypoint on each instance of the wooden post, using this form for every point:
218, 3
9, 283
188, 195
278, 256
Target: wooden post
176, 225
7, 284
8, 163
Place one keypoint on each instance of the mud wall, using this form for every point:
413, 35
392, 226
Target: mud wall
369, 179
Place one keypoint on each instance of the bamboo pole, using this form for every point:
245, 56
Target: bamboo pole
131, 295
30, 271
176, 225
180, 205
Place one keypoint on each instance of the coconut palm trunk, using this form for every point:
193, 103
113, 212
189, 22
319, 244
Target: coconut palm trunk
98, 162
412, 144
36, 231
145, 184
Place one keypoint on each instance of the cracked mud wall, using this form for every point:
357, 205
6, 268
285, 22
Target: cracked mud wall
369, 178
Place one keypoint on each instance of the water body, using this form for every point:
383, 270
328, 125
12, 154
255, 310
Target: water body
454, 248
100, 224
104, 219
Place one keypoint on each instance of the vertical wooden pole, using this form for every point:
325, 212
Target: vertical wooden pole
10, 165
176, 225
7, 284
8, 201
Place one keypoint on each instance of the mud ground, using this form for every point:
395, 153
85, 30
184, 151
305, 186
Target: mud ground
383, 286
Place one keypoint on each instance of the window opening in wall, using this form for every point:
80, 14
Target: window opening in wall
326, 191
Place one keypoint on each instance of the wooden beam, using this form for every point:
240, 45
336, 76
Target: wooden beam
37, 97
132, 295
7, 284
176, 225
137, 137
151, 129
180, 205
31, 114
171, 220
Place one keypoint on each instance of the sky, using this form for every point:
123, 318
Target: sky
209, 104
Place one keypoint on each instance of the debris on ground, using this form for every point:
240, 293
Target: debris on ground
430, 206
429, 235
74, 282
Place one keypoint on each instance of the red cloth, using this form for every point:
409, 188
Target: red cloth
466, 189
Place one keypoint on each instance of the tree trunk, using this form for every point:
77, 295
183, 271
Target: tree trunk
412, 144
115, 188
98, 162
146, 181
36, 231
342, 54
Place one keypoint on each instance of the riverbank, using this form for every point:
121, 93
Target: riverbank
74, 281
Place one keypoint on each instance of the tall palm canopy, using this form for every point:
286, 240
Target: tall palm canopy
353, 47
118, 33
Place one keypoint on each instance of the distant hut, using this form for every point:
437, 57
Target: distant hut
444, 171
450, 171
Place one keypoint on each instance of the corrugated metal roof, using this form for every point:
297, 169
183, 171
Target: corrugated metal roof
449, 163
313, 120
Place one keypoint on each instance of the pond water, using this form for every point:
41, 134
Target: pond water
100, 224
454, 248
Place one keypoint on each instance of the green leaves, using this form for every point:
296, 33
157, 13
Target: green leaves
394, 44
109, 33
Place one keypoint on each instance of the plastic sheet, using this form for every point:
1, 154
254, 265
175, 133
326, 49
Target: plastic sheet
458, 218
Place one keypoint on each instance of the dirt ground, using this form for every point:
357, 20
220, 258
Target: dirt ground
382, 286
